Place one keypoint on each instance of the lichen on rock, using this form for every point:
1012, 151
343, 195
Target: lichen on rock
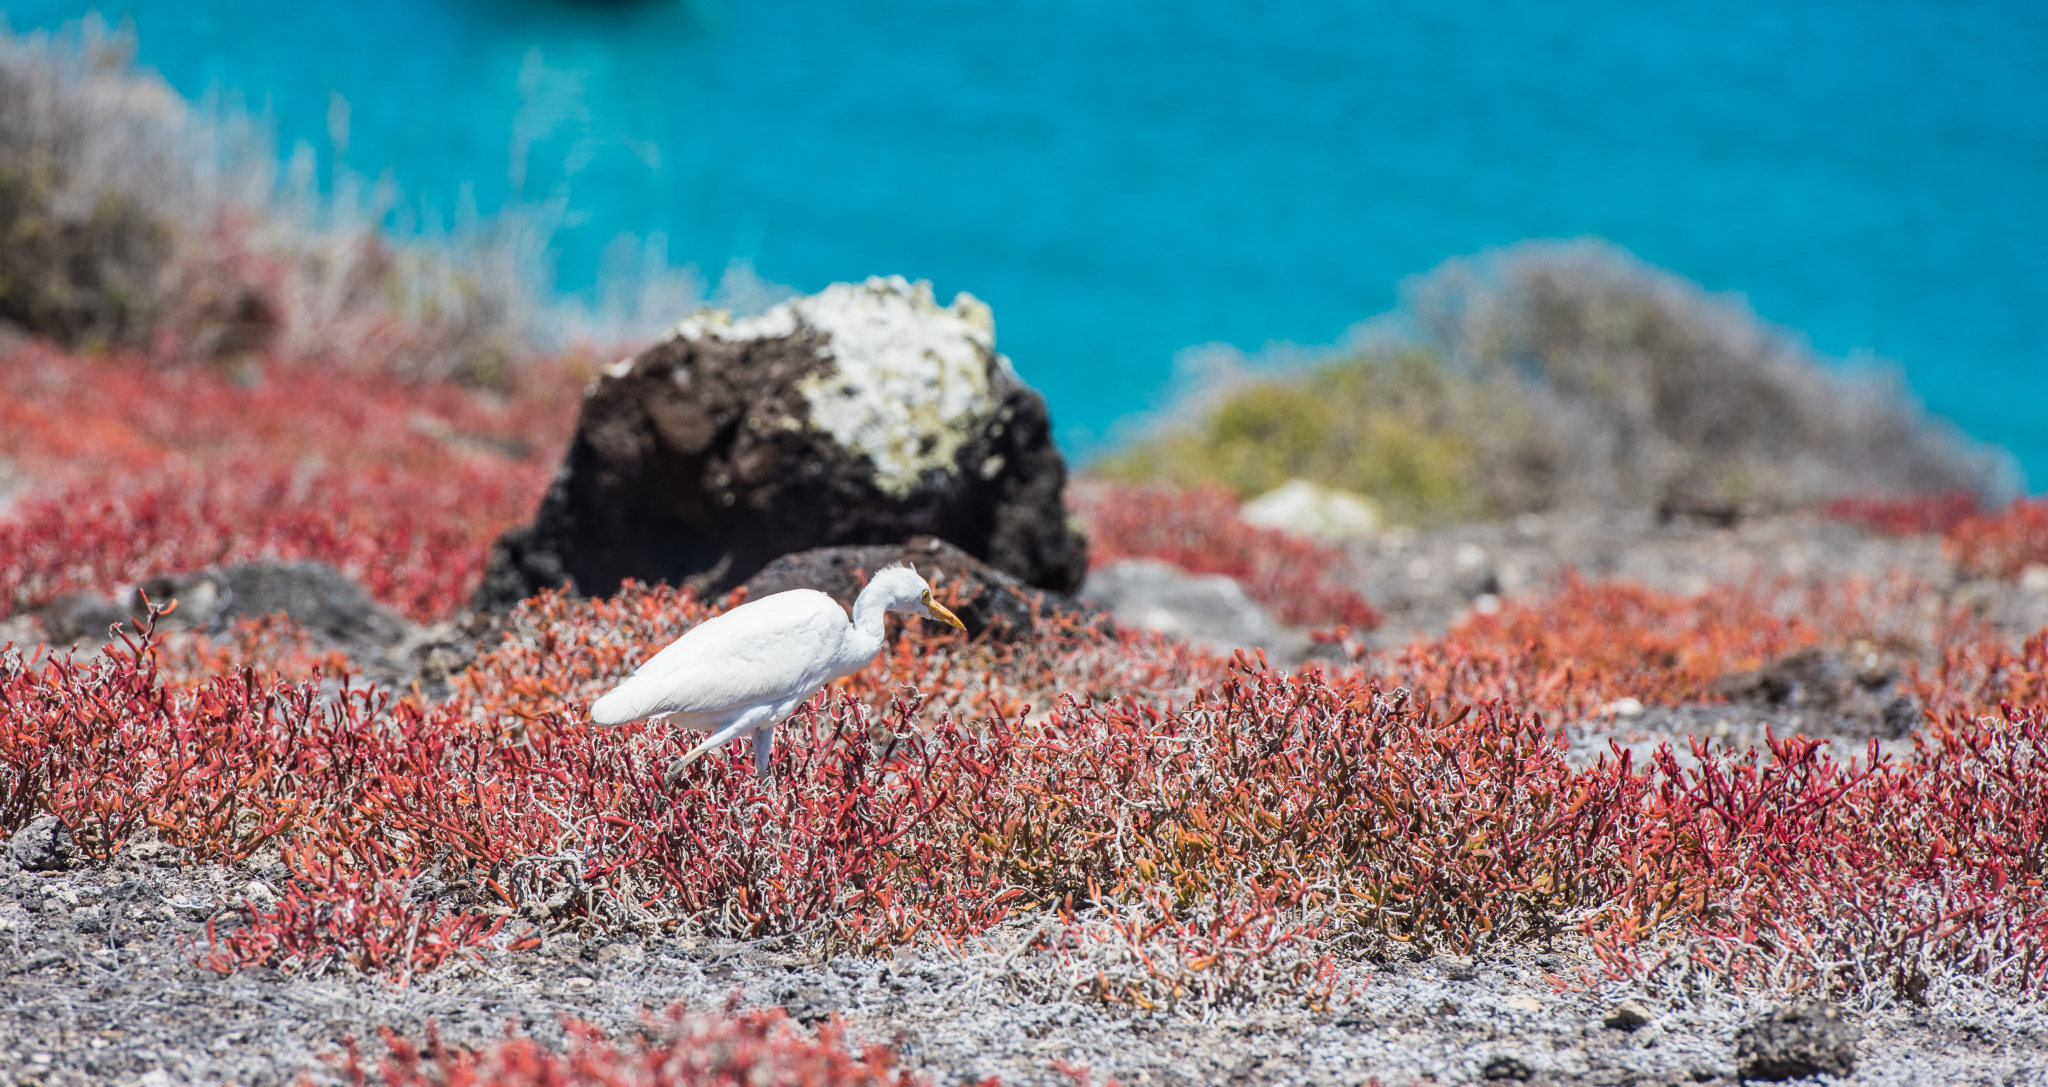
908, 377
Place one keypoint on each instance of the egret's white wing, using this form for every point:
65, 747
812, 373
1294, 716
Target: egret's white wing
765, 650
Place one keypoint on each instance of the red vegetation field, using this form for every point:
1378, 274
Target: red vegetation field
1984, 544
134, 469
1260, 813
1222, 832
2005, 544
686, 1050
1590, 642
1908, 515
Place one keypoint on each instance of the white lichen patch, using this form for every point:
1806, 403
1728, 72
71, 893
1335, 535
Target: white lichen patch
909, 377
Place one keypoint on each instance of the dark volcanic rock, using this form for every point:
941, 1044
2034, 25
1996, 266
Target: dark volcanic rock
1794, 1043
990, 600
864, 414
320, 600
1628, 1015
314, 595
75, 617
1505, 1068
1832, 684
1809, 677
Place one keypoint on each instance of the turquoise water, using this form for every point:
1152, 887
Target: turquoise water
1122, 180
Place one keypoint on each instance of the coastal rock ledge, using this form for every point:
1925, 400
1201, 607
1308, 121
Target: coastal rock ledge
864, 414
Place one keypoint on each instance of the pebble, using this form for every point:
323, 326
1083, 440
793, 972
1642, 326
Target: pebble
1627, 1015
1797, 1042
44, 845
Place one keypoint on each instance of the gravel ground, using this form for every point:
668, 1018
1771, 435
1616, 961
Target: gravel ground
102, 986
100, 981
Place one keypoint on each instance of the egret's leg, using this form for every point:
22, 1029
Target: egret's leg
739, 725
764, 737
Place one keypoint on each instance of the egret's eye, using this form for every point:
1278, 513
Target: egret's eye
927, 596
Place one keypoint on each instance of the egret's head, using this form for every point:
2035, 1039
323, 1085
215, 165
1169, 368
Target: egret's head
908, 593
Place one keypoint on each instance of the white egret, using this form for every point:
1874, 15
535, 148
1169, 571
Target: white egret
749, 668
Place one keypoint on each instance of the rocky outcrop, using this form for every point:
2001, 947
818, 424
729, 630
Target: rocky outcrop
314, 596
865, 414
76, 617
324, 603
987, 599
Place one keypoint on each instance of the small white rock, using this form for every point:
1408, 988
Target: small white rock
1310, 509
1624, 707
2034, 579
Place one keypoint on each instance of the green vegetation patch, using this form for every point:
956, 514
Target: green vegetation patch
81, 279
1398, 427
1568, 374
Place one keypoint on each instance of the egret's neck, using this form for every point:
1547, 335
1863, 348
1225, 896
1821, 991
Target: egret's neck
868, 611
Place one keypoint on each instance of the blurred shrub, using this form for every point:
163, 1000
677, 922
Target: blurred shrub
1649, 386
84, 251
84, 280
1396, 426
131, 217
1551, 374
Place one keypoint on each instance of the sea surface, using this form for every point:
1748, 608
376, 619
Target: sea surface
1125, 179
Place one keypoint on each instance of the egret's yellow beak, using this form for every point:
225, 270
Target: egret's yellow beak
938, 611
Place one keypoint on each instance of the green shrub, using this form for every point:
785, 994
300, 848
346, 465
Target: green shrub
1568, 374
84, 251
1397, 427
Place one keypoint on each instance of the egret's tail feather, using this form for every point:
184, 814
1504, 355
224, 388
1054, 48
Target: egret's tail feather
609, 711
